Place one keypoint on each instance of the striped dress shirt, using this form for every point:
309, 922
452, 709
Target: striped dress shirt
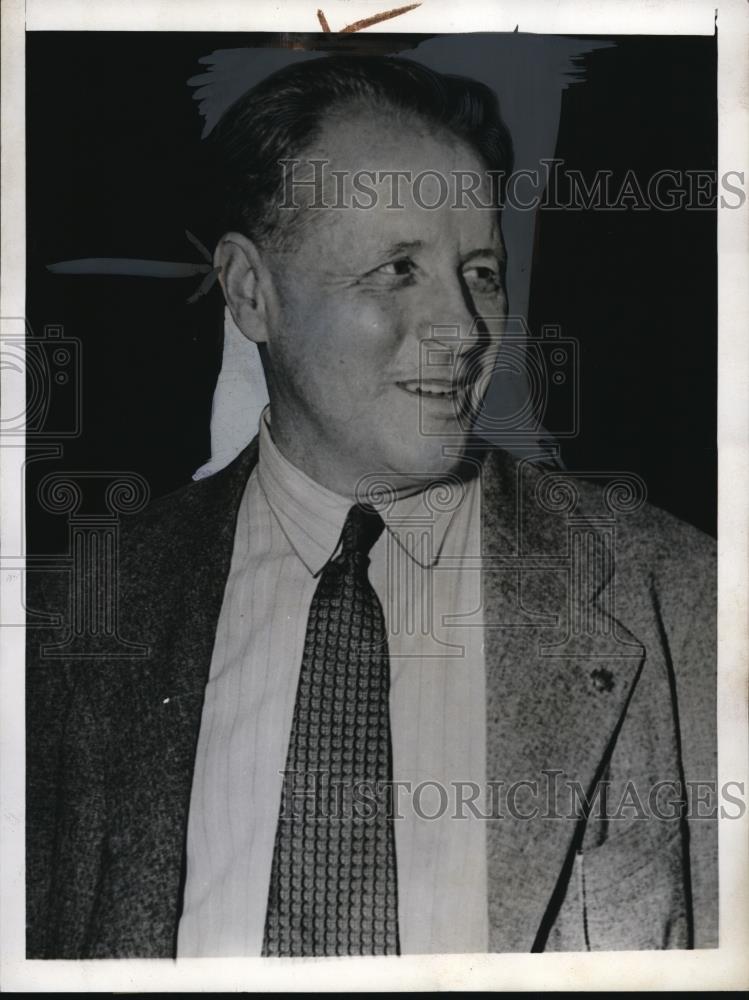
425, 571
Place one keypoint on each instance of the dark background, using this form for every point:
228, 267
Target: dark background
112, 136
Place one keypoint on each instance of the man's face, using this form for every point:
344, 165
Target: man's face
361, 382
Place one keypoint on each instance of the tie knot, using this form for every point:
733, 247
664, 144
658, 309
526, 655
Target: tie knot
362, 528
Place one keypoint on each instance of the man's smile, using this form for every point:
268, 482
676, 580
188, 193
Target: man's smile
438, 389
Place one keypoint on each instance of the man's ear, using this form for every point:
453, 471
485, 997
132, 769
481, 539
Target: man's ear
246, 284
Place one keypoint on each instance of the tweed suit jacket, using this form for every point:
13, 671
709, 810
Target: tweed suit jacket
600, 673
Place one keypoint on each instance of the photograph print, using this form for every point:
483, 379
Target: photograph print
371, 494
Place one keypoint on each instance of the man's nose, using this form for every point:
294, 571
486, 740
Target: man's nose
451, 308
448, 327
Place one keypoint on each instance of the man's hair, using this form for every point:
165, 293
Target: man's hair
283, 115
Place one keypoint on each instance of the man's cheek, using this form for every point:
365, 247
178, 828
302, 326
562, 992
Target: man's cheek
365, 341
371, 321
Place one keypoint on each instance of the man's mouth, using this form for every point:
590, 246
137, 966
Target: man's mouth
435, 388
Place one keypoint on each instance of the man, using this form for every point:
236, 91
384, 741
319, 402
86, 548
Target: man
369, 601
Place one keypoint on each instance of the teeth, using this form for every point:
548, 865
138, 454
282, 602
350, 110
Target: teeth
422, 390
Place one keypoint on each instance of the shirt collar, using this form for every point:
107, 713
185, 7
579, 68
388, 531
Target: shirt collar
312, 516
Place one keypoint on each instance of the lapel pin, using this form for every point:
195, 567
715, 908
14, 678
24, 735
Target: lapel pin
602, 679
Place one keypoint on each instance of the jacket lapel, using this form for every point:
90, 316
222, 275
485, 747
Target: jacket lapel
173, 577
560, 671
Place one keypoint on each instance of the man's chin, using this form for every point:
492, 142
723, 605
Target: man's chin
412, 469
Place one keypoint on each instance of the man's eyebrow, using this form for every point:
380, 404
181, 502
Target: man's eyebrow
494, 251
402, 246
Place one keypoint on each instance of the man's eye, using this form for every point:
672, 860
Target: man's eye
483, 279
401, 267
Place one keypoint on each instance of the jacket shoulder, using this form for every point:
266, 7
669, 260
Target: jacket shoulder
653, 540
206, 506
649, 540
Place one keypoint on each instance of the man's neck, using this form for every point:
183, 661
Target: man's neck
388, 489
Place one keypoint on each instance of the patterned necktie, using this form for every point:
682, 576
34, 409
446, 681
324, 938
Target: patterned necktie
333, 886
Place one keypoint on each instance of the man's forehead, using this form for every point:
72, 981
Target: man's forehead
406, 180
383, 230
357, 140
